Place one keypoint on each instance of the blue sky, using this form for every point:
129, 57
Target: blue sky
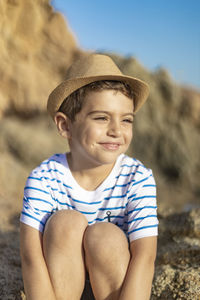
159, 33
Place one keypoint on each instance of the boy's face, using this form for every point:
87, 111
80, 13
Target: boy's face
102, 130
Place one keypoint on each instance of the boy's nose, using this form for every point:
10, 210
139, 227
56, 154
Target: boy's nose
114, 129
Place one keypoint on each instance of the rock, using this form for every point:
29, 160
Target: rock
171, 283
23, 145
177, 273
36, 47
191, 109
184, 224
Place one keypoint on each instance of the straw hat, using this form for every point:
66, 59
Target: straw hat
91, 68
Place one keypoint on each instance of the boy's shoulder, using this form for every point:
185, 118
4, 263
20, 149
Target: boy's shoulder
133, 164
132, 169
54, 163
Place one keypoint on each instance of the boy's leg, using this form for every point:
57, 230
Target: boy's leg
107, 257
63, 252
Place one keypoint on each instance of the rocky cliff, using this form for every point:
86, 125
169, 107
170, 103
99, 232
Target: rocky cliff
36, 47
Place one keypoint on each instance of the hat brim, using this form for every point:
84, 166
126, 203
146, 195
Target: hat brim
66, 88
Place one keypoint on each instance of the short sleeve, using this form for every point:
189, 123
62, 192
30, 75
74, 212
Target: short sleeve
37, 202
142, 207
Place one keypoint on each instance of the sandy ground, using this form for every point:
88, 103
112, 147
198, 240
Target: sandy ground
11, 284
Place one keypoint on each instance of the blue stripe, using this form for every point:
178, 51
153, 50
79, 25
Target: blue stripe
48, 186
24, 213
54, 170
149, 185
25, 199
40, 190
132, 173
134, 165
62, 193
140, 208
46, 178
66, 204
105, 218
37, 213
129, 166
56, 190
144, 227
142, 197
117, 197
133, 195
118, 185
126, 175
87, 212
35, 178
39, 199
46, 162
45, 211
112, 208
53, 179
87, 203
36, 189
141, 218
67, 186
137, 182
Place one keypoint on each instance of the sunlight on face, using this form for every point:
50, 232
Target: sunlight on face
102, 129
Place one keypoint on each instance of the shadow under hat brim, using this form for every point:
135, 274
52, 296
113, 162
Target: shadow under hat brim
66, 88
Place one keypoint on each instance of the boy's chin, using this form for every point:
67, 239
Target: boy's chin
108, 158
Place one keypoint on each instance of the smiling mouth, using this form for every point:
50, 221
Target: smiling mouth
110, 146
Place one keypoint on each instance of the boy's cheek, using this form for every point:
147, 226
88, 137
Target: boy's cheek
129, 134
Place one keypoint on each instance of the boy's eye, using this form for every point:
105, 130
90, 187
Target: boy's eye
102, 118
128, 121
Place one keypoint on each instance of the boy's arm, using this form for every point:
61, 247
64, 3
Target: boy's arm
138, 280
36, 278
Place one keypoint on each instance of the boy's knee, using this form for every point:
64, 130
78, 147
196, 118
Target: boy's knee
105, 239
66, 223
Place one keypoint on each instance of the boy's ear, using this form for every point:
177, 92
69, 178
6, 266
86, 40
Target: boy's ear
63, 124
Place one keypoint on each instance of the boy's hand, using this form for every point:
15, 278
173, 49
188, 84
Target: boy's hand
138, 280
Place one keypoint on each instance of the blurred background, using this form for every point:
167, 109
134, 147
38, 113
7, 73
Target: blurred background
157, 41
157, 33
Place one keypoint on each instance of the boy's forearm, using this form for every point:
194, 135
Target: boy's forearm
37, 282
138, 280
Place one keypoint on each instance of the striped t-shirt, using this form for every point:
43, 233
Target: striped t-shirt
127, 197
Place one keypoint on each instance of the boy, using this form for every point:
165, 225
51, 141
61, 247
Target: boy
92, 210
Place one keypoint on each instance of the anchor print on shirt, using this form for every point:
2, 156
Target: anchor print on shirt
109, 217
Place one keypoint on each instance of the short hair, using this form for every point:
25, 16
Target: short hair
73, 104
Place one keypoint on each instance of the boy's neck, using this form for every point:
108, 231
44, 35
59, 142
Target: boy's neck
89, 178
